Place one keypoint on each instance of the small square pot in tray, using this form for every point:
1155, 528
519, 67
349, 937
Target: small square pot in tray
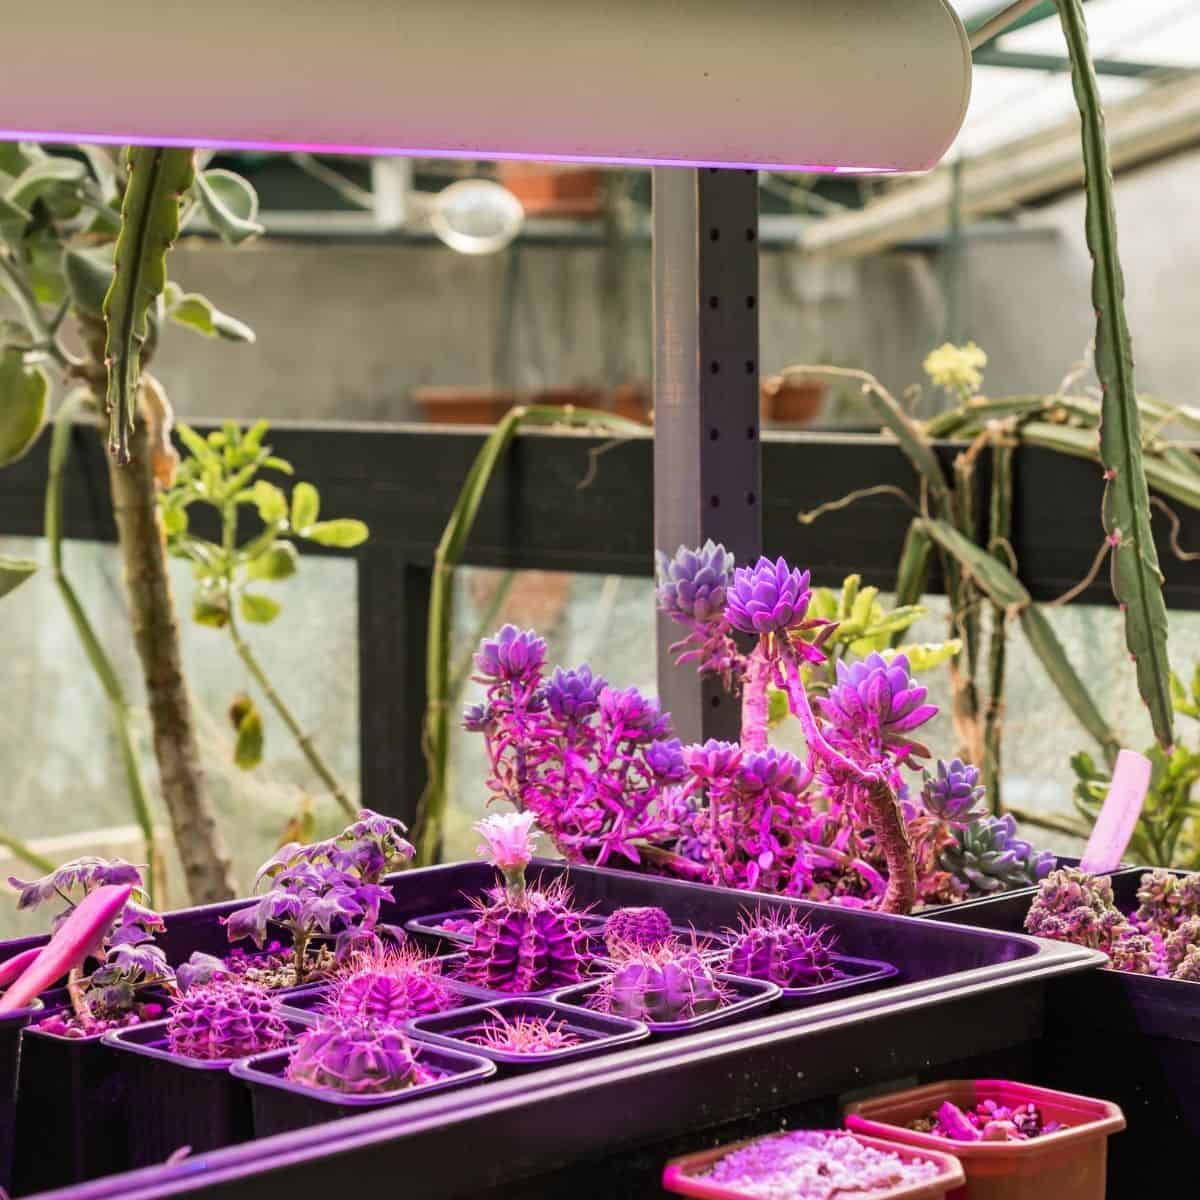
453, 963
308, 1001
596, 1032
280, 1105
174, 1100
749, 995
458, 925
855, 975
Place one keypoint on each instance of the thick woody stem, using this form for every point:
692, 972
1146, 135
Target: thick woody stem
754, 699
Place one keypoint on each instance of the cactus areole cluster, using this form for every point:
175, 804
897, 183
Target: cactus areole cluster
598, 768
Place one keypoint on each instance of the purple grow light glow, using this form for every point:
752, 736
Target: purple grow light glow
285, 147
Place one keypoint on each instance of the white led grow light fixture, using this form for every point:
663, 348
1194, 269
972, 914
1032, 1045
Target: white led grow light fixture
817, 85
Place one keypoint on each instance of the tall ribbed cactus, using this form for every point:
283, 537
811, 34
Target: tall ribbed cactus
158, 177
1136, 577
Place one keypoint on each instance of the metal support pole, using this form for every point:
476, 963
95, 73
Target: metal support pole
707, 468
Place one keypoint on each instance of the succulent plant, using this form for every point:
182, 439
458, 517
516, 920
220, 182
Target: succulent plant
513, 654
360, 1058
782, 948
954, 792
769, 597
1073, 906
1189, 968
670, 982
526, 939
225, 1019
692, 583
574, 695
524, 1034
636, 927
1134, 952
389, 987
1158, 901
1179, 941
989, 857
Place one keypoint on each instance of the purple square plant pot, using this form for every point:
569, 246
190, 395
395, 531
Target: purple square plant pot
280, 1105
11, 1025
309, 1000
453, 963
748, 996
855, 975
176, 1101
596, 1032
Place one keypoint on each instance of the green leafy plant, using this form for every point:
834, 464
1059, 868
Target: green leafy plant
223, 472
84, 234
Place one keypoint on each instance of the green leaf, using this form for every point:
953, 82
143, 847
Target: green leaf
14, 572
823, 604
211, 609
175, 521
913, 569
279, 464
43, 177
89, 277
777, 707
23, 392
230, 204
262, 610
255, 434
149, 227
306, 506
14, 220
343, 533
277, 562
197, 446
924, 656
850, 586
198, 313
247, 722
271, 502
1136, 577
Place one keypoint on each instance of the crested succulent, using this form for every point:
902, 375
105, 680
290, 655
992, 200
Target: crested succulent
782, 948
524, 1034
1189, 967
1179, 941
1073, 906
360, 1058
1134, 952
1158, 901
225, 1019
988, 856
526, 939
390, 986
648, 926
670, 982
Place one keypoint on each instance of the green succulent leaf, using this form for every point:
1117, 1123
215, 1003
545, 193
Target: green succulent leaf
271, 502
89, 275
210, 609
343, 533
306, 507
778, 710
924, 656
259, 609
230, 204
14, 220
198, 313
44, 177
175, 521
278, 561
14, 572
23, 394
248, 727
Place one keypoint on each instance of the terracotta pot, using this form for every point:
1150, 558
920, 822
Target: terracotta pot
463, 405
547, 190
791, 401
634, 402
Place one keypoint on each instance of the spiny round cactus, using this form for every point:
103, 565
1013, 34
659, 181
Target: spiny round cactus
1073, 906
670, 982
527, 944
636, 927
390, 986
225, 1019
360, 1058
783, 949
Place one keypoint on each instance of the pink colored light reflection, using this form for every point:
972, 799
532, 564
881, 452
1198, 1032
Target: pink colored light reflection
283, 147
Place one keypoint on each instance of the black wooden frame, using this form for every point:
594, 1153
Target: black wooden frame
568, 501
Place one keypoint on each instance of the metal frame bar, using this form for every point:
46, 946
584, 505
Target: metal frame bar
707, 460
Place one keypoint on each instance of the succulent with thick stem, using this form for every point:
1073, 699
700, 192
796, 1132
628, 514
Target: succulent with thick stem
360, 1058
225, 1019
670, 982
648, 926
526, 939
782, 948
390, 986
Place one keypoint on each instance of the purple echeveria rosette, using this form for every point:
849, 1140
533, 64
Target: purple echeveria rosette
692, 584
513, 655
875, 705
574, 695
954, 792
769, 597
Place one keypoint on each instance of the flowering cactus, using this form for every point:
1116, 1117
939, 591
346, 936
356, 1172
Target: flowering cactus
524, 1034
226, 1019
359, 1058
647, 927
782, 948
670, 982
989, 857
332, 888
390, 986
526, 939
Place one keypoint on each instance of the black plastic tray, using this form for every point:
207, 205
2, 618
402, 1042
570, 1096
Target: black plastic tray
965, 992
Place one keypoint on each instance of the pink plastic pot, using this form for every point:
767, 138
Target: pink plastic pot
1067, 1165
685, 1176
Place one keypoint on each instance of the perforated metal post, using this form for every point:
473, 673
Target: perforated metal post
707, 468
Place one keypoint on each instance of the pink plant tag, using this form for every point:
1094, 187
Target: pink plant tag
1115, 824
